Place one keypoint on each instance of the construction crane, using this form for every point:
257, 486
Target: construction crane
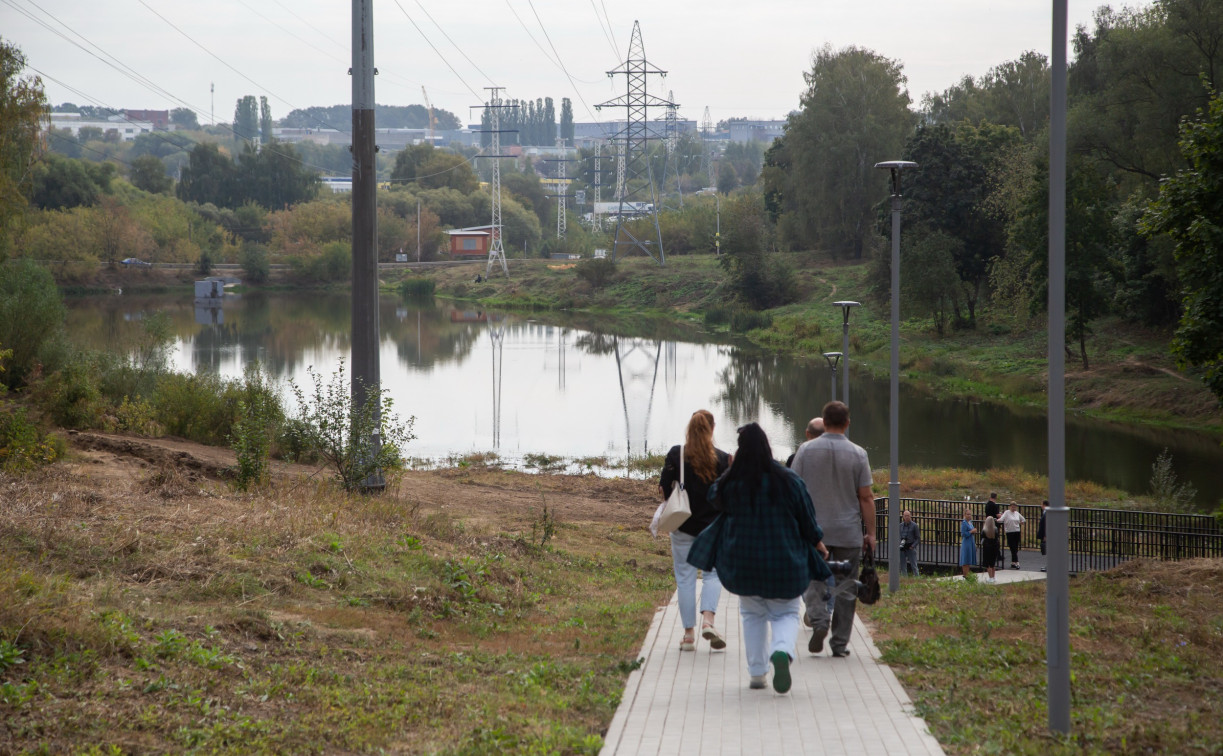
432, 120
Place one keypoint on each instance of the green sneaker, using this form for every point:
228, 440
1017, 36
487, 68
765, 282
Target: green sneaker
781, 671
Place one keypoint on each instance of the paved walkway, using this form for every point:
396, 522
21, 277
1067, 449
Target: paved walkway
698, 702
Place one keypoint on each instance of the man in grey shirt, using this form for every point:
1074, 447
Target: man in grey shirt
838, 477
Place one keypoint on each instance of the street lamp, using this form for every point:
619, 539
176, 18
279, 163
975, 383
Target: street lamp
895, 168
833, 358
846, 307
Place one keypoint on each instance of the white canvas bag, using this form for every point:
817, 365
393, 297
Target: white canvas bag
675, 511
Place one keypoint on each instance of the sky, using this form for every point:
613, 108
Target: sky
739, 59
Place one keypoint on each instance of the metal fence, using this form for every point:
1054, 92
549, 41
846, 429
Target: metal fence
1099, 538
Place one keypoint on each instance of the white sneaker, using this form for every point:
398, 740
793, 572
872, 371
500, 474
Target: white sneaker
758, 683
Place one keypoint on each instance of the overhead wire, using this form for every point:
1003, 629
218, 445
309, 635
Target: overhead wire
603, 28
564, 69
225, 63
430, 43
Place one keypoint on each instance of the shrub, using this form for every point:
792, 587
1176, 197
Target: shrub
255, 265
596, 272
1167, 489
200, 407
23, 446
258, 414
743, 321
356, 442
333, 265
419, 288
31, 318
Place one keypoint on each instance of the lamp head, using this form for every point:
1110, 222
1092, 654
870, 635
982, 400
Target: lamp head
833, 358
895, 167
846, 306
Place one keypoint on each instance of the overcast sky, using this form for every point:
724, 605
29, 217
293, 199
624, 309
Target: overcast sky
743, 58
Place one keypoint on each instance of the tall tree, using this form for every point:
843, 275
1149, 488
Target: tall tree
1189, 209
567, 121
854, 114
22, 105
1014, 93
209, 176
184, 118
246, 118
265, 120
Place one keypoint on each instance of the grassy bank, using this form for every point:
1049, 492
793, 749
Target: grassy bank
466, 612
1144, 640
1131, 376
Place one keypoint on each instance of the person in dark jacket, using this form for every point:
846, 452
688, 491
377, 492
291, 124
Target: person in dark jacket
1040, 530
702, 464
767, 548
910, 539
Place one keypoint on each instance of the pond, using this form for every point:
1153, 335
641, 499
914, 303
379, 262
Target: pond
584, 387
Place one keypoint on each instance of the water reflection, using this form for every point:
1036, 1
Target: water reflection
573, 387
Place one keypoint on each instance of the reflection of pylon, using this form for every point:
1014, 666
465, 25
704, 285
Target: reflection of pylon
636, 190
560, 359
625, 349
496, 334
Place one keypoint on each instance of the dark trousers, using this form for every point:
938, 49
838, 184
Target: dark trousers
1012, 540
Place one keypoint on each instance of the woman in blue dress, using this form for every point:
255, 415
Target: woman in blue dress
968, 545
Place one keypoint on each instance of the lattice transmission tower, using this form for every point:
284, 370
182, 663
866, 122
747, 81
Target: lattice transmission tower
496, 250
670, 137
636, 191
707, 148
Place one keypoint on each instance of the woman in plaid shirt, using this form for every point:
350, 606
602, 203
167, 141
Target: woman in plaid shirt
767, 548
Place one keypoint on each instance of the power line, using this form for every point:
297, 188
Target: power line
227, 65
554, 61
430, 43
487, 78
602, 28
566, 70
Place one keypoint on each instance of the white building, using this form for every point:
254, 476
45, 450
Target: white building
127, 129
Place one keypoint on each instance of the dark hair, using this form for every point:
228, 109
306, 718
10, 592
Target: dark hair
993, 495
836, 415
753, 458
1045, 503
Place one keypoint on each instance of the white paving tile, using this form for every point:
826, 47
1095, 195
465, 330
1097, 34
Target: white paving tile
698, 703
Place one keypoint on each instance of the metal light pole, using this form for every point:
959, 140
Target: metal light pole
846, 307
833, 358
717, 236
895, 168
1057, 518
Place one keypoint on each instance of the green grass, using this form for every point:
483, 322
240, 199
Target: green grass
1143, 643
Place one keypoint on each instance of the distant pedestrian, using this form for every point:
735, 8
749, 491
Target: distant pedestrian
910, 539
814, 429
1040, 530
990, 540
1012, 523
968, 547
703, 463
767, 548
838, 476
993, 502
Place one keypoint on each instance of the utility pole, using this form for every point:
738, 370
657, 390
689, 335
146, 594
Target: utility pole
366, 378
212, 106
418, 229
638, 177
598, 185
496, 251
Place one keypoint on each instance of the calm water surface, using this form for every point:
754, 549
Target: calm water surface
581, 387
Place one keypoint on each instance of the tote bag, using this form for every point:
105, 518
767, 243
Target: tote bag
675, 511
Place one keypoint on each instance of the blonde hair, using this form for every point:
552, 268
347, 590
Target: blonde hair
698, 446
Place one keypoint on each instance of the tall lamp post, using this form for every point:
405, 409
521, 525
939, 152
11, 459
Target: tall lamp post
895, 168
1057, 593
846, 307
833, 358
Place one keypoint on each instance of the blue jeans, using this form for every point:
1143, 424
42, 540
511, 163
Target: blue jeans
760, 615
685, 581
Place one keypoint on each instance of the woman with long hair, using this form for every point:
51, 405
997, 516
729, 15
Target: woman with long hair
703, 463
767, 548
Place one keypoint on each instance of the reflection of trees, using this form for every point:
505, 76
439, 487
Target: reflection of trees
424, 334
596, 343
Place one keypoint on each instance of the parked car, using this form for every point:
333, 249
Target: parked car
136, 262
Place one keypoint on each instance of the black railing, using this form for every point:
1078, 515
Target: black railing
1099, 538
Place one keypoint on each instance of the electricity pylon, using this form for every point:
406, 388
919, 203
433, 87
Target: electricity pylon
496, 251
707, 148
670, 139
637, 194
